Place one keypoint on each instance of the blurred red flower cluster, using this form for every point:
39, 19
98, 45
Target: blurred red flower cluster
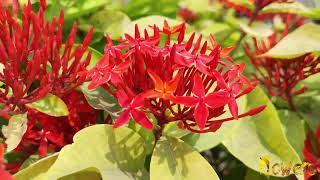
280, 76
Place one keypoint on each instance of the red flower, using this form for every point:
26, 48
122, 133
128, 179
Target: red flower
280, 76
131, 110
32, 58
160, 80
311, 153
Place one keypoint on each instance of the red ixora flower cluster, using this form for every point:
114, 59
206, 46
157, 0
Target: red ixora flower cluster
30, 53
258, 5
311, 153
49, 134
280, 76
187, 82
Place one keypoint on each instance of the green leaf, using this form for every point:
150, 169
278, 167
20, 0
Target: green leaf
172, 159
257, 29
75, 9
115, 25
15, 130
101, 99
115, 153
261, 136
305, 39
38, 170
292, 8
293, 127
205, 141
51, 105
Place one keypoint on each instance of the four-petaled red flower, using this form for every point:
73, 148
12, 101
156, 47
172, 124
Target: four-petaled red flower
131, 109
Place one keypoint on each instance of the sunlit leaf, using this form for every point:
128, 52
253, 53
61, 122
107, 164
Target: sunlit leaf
101, 99
37, 170
14, 131
107, 21
257, 29
173, 159
293, 127
51, 105
293, 8
305, 39
261, 136
114, 153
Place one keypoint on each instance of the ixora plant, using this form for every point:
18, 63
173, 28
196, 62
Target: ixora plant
157, 92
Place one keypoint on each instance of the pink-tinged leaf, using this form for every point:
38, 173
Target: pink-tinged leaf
233, 107
217, 99
158, 83
122, 119
198, 88
123, 98
186, 100
201, 114
142, 119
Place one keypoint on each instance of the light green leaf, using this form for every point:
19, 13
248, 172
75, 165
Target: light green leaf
261, 136
172, 159
205, 141
115, 25
74, 9
101, 99
38, 170
257, 29
115, 153
197, 6
293, 127
51, 105
292, 8
14, 131
305, 39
